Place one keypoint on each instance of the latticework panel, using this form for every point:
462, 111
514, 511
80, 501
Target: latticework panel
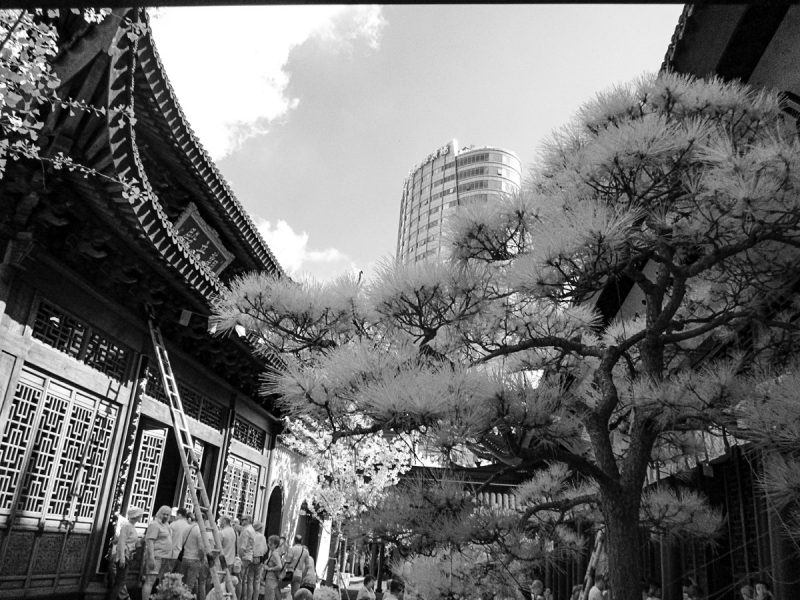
59, 330
102, 435
75, 438
249, 434
202, 407
85, 451
196, 405
106, 356
45, 448
69, 435
16, 435
76, 338
148, 467
241, 484
155, 389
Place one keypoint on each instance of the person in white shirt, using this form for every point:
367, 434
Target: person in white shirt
598, 589
248, 577
273, 565
295, 557
158, 550
194, 568
259, 556
368, 591
309, 579
123, 552
180, 528
228, 538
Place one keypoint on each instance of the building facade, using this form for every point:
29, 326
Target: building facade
447, 179
85, 430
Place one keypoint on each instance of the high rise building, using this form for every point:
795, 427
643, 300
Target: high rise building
447, 179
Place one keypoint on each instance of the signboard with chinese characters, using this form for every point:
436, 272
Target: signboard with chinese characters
202, 239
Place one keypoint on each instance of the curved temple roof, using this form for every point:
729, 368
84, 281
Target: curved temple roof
203, 166
136, 82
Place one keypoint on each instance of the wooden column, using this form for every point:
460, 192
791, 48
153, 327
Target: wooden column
126, 458
381, 558
671, 575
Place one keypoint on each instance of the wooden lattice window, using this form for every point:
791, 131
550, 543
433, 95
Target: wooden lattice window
68, 334
196, 405
146, 470
202, 408
54, 450
239, 491
249, 434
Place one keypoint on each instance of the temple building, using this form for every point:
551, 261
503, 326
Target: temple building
85, 431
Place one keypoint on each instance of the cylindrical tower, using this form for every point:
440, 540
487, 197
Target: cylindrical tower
446, 179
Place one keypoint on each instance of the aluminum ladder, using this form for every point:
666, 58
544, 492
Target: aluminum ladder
191, 466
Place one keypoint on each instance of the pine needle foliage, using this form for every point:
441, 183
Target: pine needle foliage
686, 191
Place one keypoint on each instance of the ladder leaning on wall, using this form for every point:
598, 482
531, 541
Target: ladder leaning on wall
220, 576
597, 550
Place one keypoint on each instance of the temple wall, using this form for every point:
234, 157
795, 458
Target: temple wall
78, 442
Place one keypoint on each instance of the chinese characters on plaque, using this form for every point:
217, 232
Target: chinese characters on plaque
200, 237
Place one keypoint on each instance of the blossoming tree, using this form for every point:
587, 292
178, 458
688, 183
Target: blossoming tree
684, 191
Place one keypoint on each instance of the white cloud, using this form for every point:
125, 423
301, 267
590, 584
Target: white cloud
226, 63
292, 251
352, 24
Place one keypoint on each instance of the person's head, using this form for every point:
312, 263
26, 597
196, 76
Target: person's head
762, 588
273, 541
537, 587
258, 526
135, 514
164, 513
746, 591
369, 582
600, 582
397, 588
224, 521
576, 591
298, 540
303, 594
182, 513
282, 538
246, 520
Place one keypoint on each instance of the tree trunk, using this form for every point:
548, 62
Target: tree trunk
623, 546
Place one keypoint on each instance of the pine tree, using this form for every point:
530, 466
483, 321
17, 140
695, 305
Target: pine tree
683, 190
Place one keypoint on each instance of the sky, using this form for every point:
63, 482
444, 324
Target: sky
316, 114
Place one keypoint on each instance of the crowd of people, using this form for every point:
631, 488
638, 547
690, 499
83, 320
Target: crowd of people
270, 569
599, 590
262, 568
